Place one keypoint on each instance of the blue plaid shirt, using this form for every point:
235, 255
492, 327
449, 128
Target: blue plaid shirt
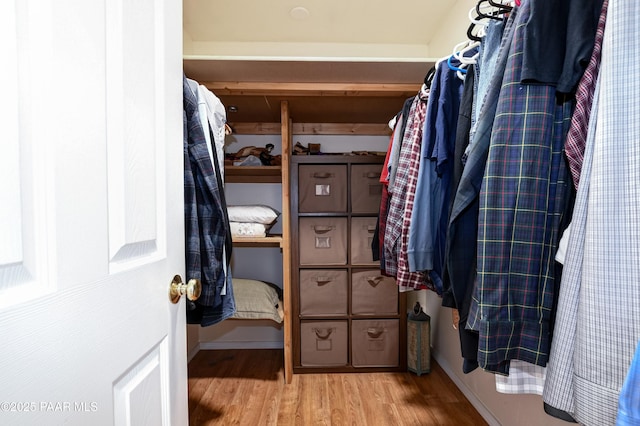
522, 202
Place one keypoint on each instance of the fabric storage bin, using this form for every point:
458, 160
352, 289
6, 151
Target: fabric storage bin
373, 294
375, 343
323, 240
322, 188
362, 231
366, 189
323, 343
323, 292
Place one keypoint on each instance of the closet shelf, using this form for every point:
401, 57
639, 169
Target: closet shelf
253, 174
268, 241
278, 175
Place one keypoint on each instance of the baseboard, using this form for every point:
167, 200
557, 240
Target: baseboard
192, 353
473, 399
240, 345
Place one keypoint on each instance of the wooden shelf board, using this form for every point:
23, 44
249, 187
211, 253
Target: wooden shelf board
376, 129
268, 241
253, 174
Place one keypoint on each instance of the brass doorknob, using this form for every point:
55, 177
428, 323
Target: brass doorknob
177, 288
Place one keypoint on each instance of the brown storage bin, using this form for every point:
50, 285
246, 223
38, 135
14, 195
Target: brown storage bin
366, 189
323, 292
322, 188
362, 230
323, 343
373, 294
375, 343
323, 240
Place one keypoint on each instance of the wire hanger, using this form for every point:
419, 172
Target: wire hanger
429, 77
492, 13
477, 23
460, 55
503, 8
455, 68
461, 71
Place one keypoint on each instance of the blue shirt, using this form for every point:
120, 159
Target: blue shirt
427, 232
629, 405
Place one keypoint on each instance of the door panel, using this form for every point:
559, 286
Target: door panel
135, 177
92, 225
24, 217
138, 388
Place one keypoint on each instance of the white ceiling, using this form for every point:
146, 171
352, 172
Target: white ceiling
390, 30
337, 21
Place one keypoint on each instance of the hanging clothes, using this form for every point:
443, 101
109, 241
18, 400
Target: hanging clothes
378, 235
401, 200
574, 150
202, 116
468, 338
428, 223
217, 118
523, 377
514, 197
577, 136
463, 222
207, 233
394, 154
598, 323
522, 202
564, 36
387, 179
485, 69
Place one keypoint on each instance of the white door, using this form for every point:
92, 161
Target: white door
91, 213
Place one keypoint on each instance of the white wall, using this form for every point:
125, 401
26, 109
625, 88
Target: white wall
452, 29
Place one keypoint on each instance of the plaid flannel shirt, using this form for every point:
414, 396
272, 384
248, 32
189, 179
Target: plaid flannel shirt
401, 199
522, 201
206, 222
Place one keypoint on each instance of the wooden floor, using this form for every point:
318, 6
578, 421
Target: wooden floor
246, 387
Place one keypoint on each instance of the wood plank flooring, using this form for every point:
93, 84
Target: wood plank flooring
246, 387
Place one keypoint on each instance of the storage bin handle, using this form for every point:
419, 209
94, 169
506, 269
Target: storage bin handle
318, 229
374, 280
375, 332
371, 229
323, 334
322, 175
372, 175
323, 280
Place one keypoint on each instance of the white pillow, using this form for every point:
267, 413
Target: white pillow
252, 214
241, 229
